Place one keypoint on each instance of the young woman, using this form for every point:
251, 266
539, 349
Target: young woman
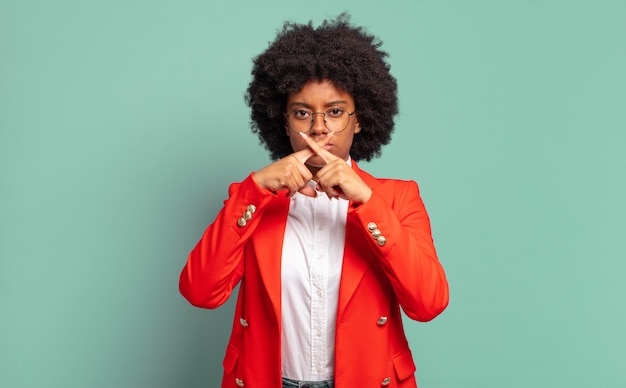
324, 254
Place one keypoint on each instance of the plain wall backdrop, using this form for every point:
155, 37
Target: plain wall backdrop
123, 122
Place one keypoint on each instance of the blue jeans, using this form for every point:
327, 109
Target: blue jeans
288, 383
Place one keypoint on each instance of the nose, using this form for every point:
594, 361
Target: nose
318, 124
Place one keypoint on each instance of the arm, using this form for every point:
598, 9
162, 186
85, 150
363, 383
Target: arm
406, 254
215, 265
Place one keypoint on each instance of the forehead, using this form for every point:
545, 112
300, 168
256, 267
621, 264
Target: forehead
316, 92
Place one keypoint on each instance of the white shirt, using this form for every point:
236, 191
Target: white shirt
311, 270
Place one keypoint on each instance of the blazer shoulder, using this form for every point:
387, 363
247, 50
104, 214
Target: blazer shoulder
366, 176
388, 183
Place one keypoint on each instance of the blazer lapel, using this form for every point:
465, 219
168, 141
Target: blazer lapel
355, 261
268, 247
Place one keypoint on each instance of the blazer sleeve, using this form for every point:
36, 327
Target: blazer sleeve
396, 228
215, 265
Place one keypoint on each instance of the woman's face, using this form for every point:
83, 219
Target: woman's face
322, 96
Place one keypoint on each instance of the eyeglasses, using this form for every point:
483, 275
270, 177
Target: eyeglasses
335, 119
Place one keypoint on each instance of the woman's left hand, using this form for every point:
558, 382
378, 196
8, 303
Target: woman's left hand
337, 179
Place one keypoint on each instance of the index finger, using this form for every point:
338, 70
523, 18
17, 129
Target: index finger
314, 148
318, 147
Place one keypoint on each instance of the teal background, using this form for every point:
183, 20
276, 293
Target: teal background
123, 122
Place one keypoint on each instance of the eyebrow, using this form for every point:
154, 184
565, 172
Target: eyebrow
328, 104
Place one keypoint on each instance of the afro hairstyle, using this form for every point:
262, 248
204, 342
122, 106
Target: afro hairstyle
346, 55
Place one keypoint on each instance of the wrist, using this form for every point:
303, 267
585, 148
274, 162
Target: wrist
368, 195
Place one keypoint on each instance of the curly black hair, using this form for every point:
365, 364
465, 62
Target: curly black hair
344, 54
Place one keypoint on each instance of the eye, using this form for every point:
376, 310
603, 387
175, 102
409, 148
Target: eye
335, 112
301, 114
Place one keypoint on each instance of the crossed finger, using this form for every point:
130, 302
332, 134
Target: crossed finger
314, 148
333, 190
317, 148
302, 156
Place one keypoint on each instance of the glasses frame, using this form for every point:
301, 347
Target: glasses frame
313, 120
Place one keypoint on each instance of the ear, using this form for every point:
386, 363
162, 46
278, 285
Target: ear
357, 126
286, 127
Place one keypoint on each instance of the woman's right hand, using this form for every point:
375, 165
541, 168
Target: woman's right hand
289, 173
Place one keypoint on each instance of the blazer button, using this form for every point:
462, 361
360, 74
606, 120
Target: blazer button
239, 382
381, 241
243, 322
372, 226
242, 222
376, 234
385, 381
381, 321
251, 208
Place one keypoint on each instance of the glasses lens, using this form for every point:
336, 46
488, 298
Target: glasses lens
337, 120
299, 122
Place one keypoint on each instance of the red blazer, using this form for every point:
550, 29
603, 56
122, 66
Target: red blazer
379, 274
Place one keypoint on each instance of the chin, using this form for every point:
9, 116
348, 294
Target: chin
315, 161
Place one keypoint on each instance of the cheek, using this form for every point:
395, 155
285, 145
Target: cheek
297, 143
